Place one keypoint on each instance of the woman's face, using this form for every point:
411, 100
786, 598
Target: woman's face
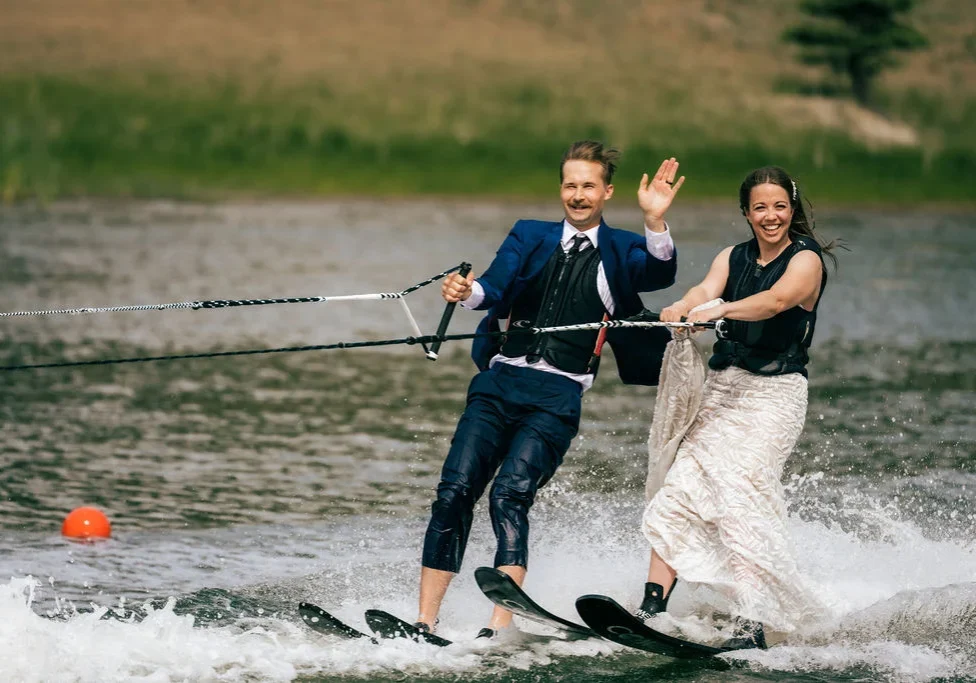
769, 214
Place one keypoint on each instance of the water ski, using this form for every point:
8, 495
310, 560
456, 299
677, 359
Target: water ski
605, 616
323, 622
385, 625
504, 592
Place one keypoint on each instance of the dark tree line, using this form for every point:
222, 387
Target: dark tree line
855, 38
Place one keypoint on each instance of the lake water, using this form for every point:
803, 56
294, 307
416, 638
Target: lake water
239, 486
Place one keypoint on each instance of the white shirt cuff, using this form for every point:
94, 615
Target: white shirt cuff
477, 296
659, 244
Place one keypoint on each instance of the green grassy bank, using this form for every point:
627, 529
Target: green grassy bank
62, 137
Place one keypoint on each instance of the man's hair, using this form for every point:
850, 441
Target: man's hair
590, 150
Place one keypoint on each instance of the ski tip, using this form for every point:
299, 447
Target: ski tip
489, 573
386, 625
323, 622
313, 615
593, 597
490, 579
590, 608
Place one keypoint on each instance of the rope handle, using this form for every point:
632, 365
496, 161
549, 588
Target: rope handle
463, 271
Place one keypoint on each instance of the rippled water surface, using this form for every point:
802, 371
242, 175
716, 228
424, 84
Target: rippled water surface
240, 485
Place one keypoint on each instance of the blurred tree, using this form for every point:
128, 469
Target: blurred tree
855, 38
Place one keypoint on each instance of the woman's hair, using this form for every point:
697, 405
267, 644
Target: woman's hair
800, 224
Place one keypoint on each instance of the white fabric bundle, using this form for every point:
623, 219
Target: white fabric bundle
679, 395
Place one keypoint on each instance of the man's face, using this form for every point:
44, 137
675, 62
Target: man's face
584, 193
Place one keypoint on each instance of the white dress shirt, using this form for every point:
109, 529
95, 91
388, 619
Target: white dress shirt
659, 244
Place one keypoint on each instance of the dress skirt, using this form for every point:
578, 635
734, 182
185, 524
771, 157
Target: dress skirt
719, 518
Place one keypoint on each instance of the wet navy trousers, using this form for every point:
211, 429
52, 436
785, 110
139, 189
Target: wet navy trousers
518, 422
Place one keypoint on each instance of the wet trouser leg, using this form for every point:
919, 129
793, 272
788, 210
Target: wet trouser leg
522, 420
549, 410
479, 443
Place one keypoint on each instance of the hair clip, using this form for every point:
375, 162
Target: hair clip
793, 182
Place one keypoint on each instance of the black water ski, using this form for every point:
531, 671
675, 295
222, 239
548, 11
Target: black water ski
385, 625
605, 616
504, 592
323, 622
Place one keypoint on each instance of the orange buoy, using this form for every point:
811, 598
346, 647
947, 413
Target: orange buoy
86, 523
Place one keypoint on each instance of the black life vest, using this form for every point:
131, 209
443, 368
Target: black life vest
778, 345
564, 293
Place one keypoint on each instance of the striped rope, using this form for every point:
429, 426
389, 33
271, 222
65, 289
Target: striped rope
640, 321
229, 303
716, 324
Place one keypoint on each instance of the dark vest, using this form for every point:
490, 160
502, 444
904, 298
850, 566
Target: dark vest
564, 293
776, 346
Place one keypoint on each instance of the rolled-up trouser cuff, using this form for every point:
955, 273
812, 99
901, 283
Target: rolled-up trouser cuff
510, 558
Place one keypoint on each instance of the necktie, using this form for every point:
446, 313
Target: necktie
579, 241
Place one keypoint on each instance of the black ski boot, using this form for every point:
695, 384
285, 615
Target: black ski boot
655, 601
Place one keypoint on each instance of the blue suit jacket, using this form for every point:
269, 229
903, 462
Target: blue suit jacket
629, 268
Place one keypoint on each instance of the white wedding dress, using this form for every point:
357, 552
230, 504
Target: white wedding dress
716, 512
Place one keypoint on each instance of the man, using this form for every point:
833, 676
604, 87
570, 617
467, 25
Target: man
523, 408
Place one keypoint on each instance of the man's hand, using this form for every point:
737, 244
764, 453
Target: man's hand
456, 288
656, 194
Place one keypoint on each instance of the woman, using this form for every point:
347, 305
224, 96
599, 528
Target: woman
719, 517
